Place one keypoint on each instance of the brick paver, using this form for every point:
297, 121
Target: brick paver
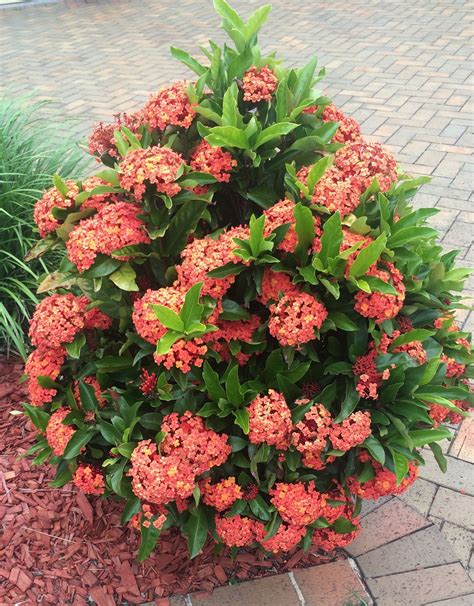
402, 69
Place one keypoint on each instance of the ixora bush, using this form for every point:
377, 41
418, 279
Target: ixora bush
252, 330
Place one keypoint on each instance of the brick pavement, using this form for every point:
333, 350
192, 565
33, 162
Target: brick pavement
399, 67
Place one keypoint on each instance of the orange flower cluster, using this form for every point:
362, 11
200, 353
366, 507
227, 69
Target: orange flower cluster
309, 436
382, 306
351, 432
58, 434
414, 349
294, 319
232, 330
348, 129
183, 355
274, 284
259, 84
58, 318
112, 228
280, 214
52, 198
236, 531
221, 495
144, 319
169, 107
159, 166
285, 539
328, 539
102, 140
270, 420
43, 363
383, 483
299, 504
89, 479
366, 162
213, 160
453, 368
97, 201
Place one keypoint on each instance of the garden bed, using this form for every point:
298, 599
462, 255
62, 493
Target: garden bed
60, 547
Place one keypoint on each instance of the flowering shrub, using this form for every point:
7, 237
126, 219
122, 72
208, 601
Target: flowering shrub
252, 329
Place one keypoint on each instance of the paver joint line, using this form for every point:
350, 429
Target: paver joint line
297, 589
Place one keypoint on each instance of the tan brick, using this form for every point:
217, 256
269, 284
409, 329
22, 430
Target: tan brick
454, 507
420, 495
464, 600
421, 586
422, 549
387, 523
460, 539
463, 445
270, 591
459, 476
329, 584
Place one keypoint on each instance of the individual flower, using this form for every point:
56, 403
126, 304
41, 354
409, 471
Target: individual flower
351, 432
213, 160
221, 495
294, 319
43, 363
112, 228
383, 483
52, 198
183, 355
310, 435
276, 284
169, 107
348, 128
270, 420
148, 382
377, 305
280, 214
144, 318
188, 435
57, 433
298, 503
285, 539
366, 162
158, 166
236, 531
57, 319
89, 479
259, 84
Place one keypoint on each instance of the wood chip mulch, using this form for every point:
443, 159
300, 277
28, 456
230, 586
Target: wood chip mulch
58, 546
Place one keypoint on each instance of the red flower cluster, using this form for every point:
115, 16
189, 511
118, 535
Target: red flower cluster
232, 330
453, 368
183, 355
89, 479
43, 363
102, 140
236, 531
294, 319
348, 129
270, 420
280, 214
213, 160
112, 228
58, 318
58, 434
310, 435
382, 306
144, 319
259, 84
274, 284
97, 201
221, 495
299, 504
285, 539
351, 432
52, 198
366, 162
383, 483
169, 107
148, 382
159, 166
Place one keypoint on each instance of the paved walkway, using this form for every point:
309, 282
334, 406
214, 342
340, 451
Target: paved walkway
401, 67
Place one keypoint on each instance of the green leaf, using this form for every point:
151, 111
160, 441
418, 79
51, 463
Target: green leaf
192, 310
189, 61
232, 387
212, 383
416, 233
181, 225
227, 136
304, 81
317, 171
132, 507
149, 538
230, 109
74, 349
255, 22
439, 456
377, 285
242, 419
420, 437
167, 341
38, 417
349, 403
87, 395
227, 13
331, 239
60, 185
274, 132
375, 448
304, 227
196, 529
342, 525
169, 318
342, 321
125, 278
401, 465
418, 334
80, 438
368, 256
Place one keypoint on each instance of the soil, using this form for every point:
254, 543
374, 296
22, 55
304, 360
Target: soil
59, 546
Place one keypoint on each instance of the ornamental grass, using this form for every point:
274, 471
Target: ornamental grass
252, 329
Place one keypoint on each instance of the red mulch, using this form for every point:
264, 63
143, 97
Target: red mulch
58, 546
